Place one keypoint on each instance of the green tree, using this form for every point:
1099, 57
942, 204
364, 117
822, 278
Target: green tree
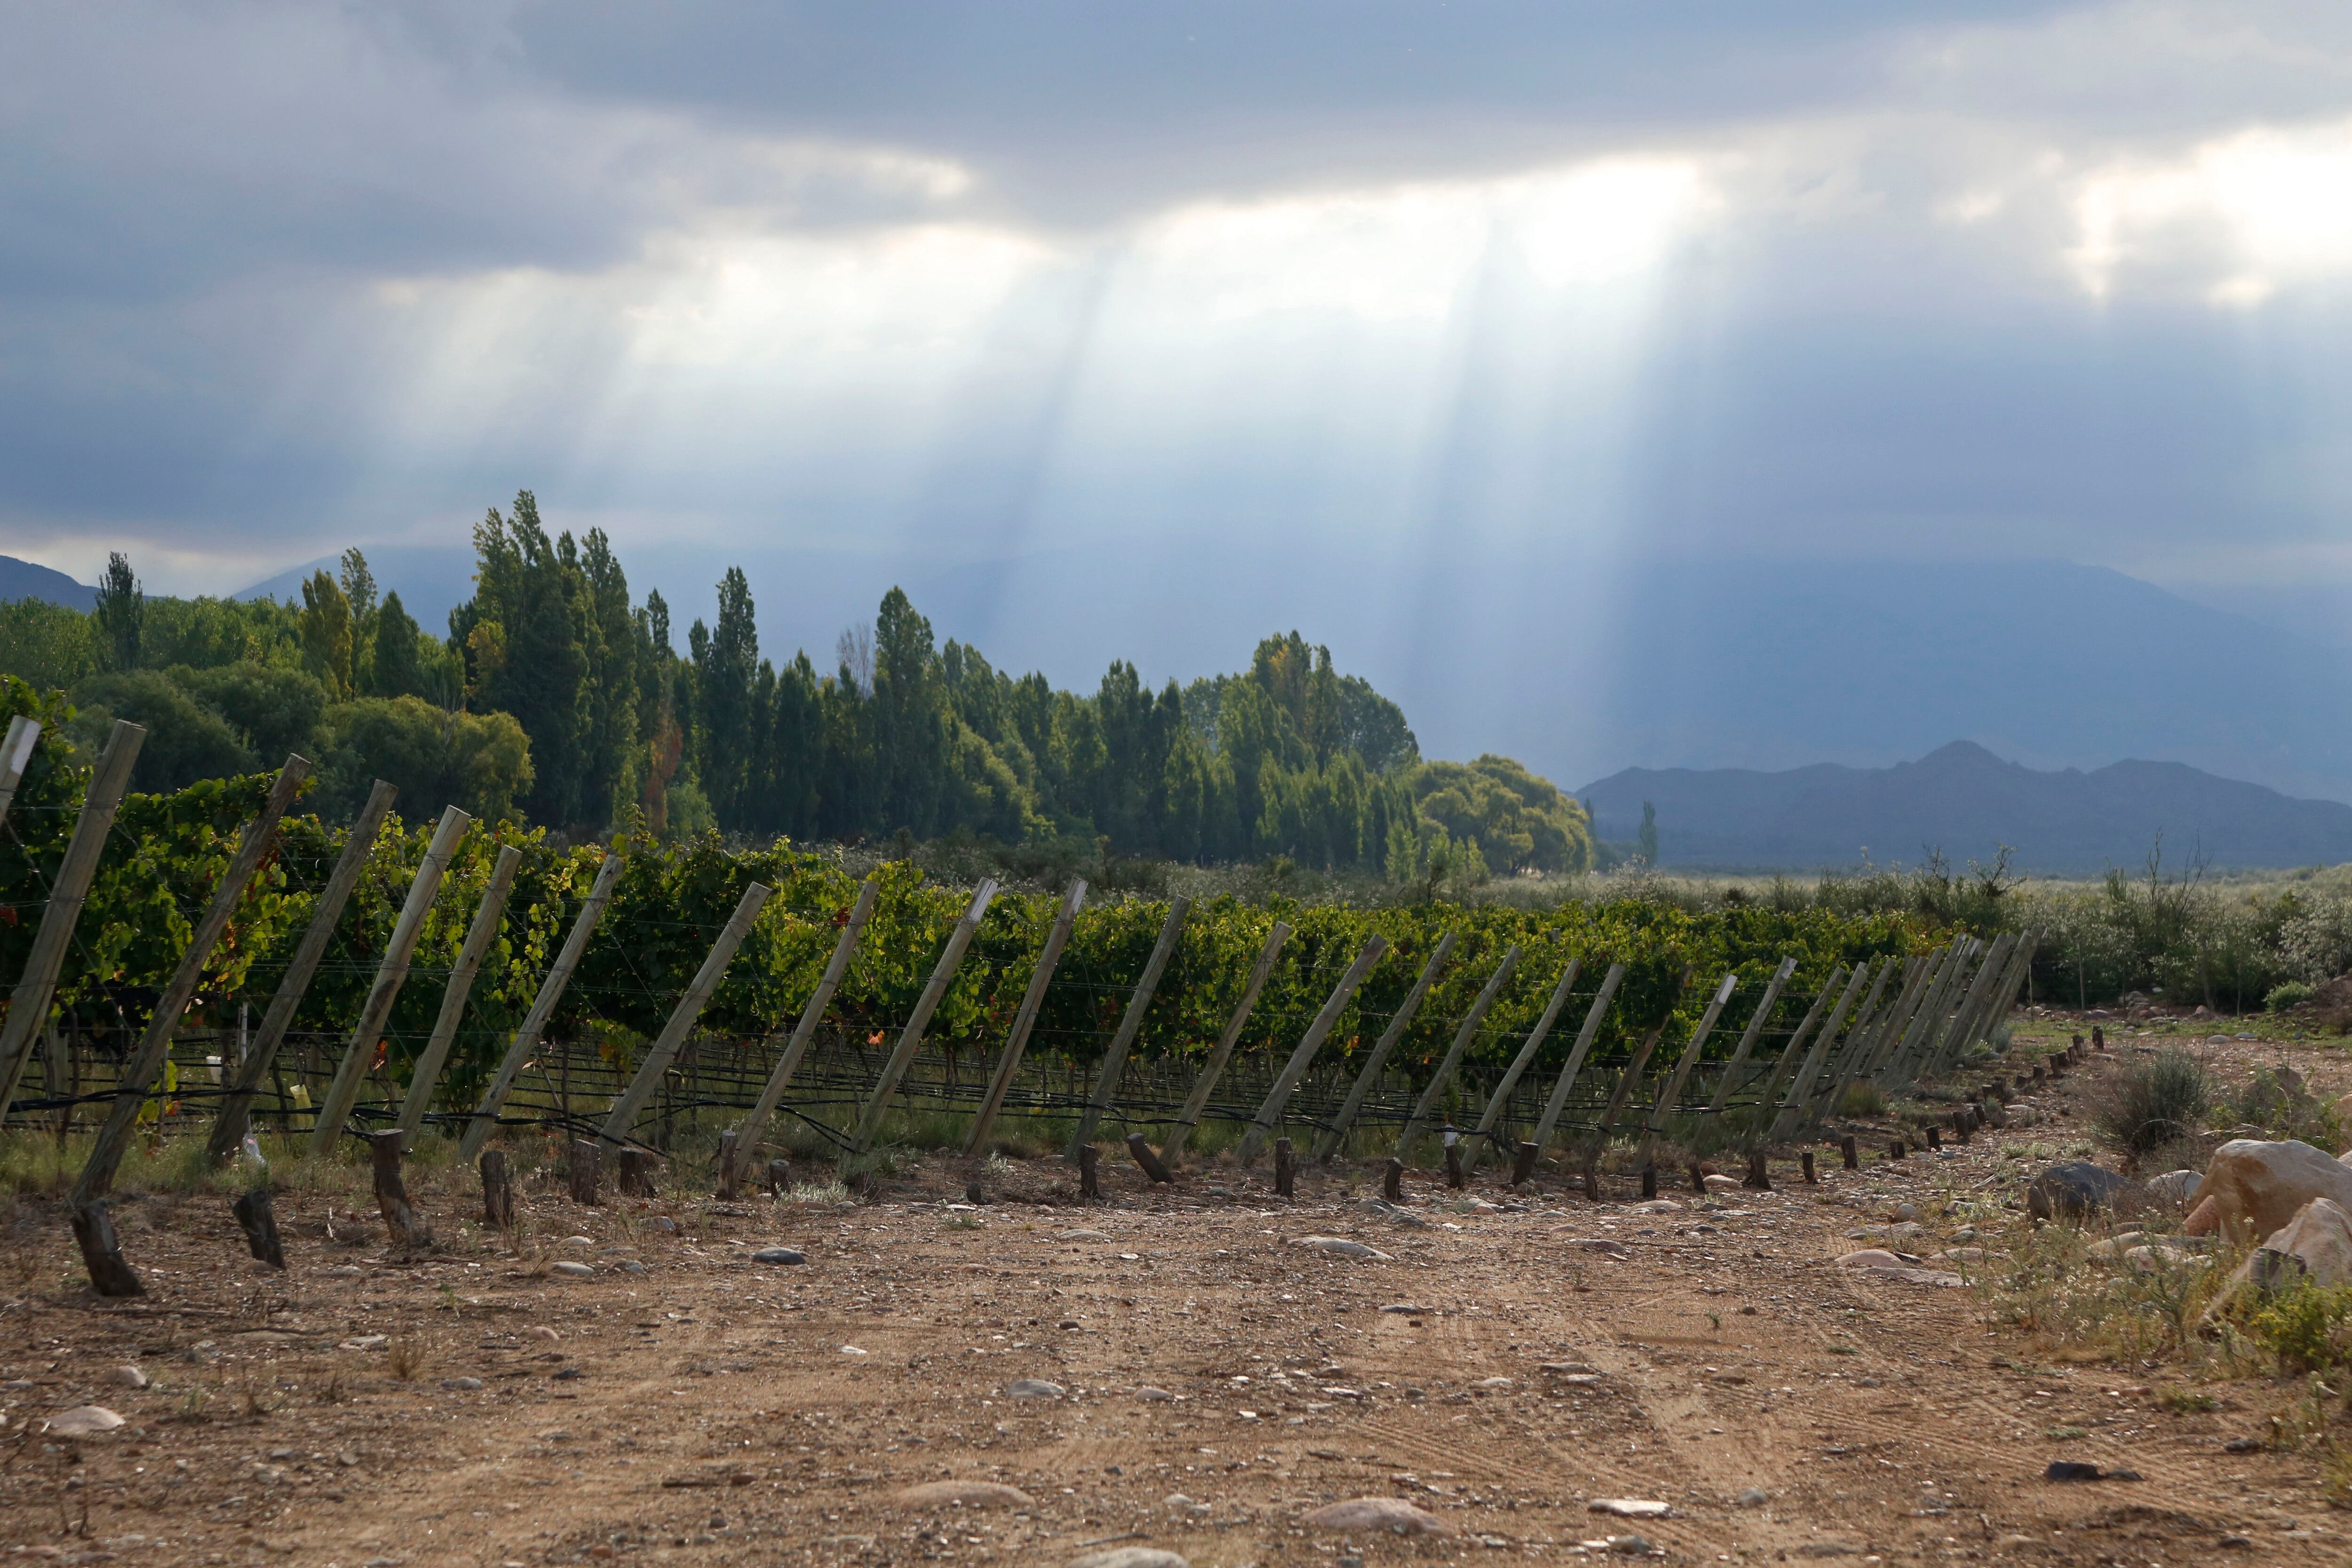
479, 762
1645, 842
274, 710
186, 741
120, 612
1521, 821
523, 652
327, 633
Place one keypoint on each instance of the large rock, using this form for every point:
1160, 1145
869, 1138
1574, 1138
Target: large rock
2077, 1188
2257, 1187
2317, 1245
1374, 1514
2174, 1187
969, 1493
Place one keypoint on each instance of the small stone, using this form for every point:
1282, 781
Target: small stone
1036, 1388
1083, 1235
1654, 1205
1630, 1506
366, 1343
971, 1494
81, 1421
588, 1241
1129, 1557
779, 1254
1721, 1184
1339, 1247
1754, 1496
1631, 1546
461, 1384
630, 1266
851, 1350
2070, 1470
1383, 1514
1149, 1391
1404, 1310
665, 1225
1496, 1383
571, 1271
543, 1332
127, 1376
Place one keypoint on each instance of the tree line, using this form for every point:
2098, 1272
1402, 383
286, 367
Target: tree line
559, 698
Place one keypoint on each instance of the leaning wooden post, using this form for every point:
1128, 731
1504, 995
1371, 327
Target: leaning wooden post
1575, 1063
1369, 1076
1453, 1058
542, 1008
1906, 1036
478, 937
401, 1220
682, 1016
1484, 1133
258, 1220
237, 1107
1748, 1035
1114, 1061
1921, 1044
1861, 1062
1269, 1112
146, 1064
1632, 1077
1796, 1044
745, 1155
16, 755
1858, 1040
910, 1038
1945, 1044
1197, 1102
28, 1003
359, 1055
1671, 1091
1031, 1000
1801, 1085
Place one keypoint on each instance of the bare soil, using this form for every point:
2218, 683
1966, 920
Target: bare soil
1505, 1366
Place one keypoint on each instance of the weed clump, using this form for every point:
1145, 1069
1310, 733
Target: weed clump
2308, 1327
2152, 1102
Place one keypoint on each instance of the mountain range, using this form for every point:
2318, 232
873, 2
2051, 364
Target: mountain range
1964, 801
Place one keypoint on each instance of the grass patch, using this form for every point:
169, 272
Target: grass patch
2187, 1401
2147, 1103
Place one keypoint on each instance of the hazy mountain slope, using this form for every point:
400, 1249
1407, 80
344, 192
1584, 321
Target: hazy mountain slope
1967, 802
28, 580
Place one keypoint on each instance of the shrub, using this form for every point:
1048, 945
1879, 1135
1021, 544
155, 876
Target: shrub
2292, 994
2152, 1102
2308, 1327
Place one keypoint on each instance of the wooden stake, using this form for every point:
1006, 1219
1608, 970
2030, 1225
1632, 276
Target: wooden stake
779, 1178
1025, 1019
1632, 1074
498, 1191
1802, 1086
101, 1251
1791, 1051
1392, 1180
637, 1177
681, 1017
1851, 1153
911, 1037
1759, 1173
391, 975
401, 1220
726, 1185
1697, 1179
1806, 1160
1462, 1037
1748, 1035
1197, 1102
258, 1220
426, 1074
1522, 1163
1483, 1136
1456, 1177
145, 1066
1114, 1061
1671, 1091
1145, 1156
1090, 1172
1648, 1181
1583, 1047
1286, 1168
1269, 1110
1935, 1137
29, 1001
747, 1133
1370, 1075
587, 1160
1592, 1181
237, 1107
1895, 1150
15, 754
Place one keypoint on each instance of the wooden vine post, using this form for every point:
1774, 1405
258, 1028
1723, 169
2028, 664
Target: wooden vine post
1793, 1106
1024, 1021
1180, 1130
1632, 1078
542, 1007
1858, 1039
738, 1161
392, 973
1375, 1064
237, 1107
1452, 1058
16, 755
690, 1007
1269, 1112
1794, 1045
146, 1064
1483, 1134
1575, 1063
1748, 1037
1130, 1023
426, 1076
28, 1003
910, 1038
1671, 1091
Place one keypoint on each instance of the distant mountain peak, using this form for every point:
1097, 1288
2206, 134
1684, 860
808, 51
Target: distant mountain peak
31, 580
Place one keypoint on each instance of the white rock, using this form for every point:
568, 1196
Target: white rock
81, 1421
1630, 1506
1338, 1245
2316, 1244
2175, 1186
1036, 1388
1653, 1205
1129, 1557
1083, 1235
127, 1376
2258, 1187
571, 1271
1148, 1392
1383, 1514
1718, 1183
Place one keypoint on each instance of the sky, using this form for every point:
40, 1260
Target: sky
1158, 322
